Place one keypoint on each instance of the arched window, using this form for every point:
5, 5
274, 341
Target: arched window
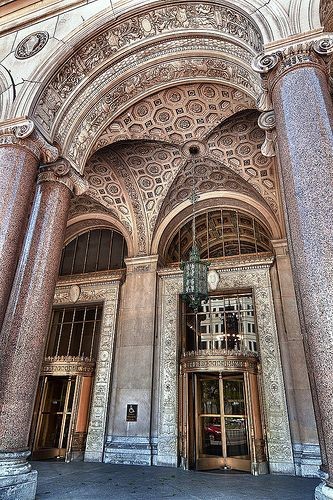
95, 250
220, 233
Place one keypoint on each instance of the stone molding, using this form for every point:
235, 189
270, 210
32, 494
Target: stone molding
108, 293
274, 400
144, 264
21, 132
68, 365
61, 171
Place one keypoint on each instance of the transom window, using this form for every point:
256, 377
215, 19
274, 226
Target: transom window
96, 250
75, 331
220, 233
223, 322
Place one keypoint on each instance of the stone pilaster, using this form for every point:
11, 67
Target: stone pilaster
302, 420
25, 325
295, 86
130, 442
21, 150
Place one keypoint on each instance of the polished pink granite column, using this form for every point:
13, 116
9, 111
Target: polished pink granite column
25, 326
20, 154
298, 86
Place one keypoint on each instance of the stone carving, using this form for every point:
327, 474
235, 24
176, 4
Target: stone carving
266, 121
122, 34
275, 408
273, 66
209, 175
61, 171
152, 168
94, 121
179, 114
108, 294
31, 45
167, 447
22, 132
235, 143
86, 205
74, 293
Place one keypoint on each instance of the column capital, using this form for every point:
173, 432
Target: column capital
298, 53
21, 132
61, 171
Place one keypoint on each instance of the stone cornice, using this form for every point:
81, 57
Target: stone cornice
100, 278
61, 171
21, 132
226, 264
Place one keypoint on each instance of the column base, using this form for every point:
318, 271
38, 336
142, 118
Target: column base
323, 492
17, 480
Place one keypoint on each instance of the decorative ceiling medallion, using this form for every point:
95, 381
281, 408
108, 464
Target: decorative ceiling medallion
31, 44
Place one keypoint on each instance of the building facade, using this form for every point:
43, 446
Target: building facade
124, 125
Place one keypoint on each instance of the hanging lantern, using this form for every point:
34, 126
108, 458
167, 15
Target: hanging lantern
195, 289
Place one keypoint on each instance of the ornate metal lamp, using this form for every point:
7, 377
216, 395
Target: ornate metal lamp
195, 288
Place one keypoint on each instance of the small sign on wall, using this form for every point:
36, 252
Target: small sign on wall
132, 413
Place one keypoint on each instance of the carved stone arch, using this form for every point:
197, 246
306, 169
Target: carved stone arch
80, 80
86, 222
7, 93
199, 106
226, 199
78, 132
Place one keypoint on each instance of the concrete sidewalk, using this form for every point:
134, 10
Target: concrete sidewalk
79, 480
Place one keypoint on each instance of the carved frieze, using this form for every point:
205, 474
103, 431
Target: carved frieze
139, 29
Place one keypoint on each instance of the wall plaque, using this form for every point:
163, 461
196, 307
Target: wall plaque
132, 413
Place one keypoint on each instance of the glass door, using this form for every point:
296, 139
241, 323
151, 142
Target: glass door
54, 419
222, 437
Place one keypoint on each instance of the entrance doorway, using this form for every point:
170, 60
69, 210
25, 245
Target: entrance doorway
55, 416
222, 428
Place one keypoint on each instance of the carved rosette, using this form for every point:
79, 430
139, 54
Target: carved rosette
62, 172
21, 132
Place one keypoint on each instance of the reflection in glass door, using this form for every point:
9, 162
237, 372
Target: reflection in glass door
222, 422
55, 417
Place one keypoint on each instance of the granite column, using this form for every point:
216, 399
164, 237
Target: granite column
21, 149
25, 325
295, 86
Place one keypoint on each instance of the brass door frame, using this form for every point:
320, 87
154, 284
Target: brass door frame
56, 452
225, 462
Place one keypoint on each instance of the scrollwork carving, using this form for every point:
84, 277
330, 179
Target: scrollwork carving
62, 172
266, 121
